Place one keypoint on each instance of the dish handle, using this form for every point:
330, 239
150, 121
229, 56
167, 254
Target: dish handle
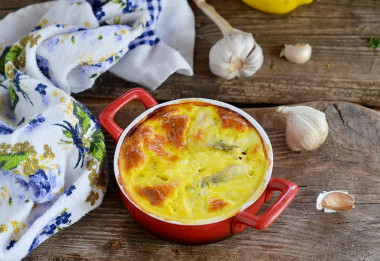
288, 191
106, 117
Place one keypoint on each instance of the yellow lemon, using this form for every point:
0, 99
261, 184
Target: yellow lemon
276, 6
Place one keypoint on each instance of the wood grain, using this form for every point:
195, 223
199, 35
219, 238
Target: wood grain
339, 68
349, 160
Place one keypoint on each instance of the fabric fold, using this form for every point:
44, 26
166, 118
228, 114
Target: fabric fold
52, 150
170, 22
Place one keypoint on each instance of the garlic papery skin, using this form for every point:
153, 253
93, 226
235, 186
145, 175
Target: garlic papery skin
237, 53
335, 201
306, 127
297, 53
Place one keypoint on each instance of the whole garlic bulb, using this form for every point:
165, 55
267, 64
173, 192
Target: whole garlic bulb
234, 55
306, 127
297, 53
237, 53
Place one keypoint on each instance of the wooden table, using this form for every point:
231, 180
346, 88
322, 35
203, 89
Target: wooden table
349, 160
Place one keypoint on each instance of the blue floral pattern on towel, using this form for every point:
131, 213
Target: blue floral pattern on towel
55, 225
46, 135
153, 7
52, 149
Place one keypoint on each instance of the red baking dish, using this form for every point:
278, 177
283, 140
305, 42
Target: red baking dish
198, 233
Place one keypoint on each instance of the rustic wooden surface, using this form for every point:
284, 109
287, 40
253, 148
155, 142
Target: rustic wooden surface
349, 160
339, 68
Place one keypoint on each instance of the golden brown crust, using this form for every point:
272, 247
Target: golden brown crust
157, 194
144, 136
233, 120
216, 204
133, 154
175, 127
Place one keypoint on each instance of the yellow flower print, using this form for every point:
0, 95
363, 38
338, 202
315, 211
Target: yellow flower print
25, 146
43, 23
48, 153
64, 37
15, 224
32, 161
97, 180
18, 227
4, 196
3, 228
36, 162
32, 39
106, 57
20, 62
4, 148
24, 41
93, 178
9, 71
69, 108
93, 197
86, 59
30, 166
91, 164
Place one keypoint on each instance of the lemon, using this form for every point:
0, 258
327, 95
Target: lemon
276, 6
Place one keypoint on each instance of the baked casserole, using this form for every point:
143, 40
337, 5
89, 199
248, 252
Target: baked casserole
193, 162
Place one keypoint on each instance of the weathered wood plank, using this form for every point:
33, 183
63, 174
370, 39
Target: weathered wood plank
339, 68
349, 160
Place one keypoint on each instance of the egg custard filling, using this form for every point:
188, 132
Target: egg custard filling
193, 163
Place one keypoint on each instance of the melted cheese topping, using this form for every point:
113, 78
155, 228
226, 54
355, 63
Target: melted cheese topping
192, 163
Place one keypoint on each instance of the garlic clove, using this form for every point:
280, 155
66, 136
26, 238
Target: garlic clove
253, 62
334, 201
220, 64
306, 127
236, 55
297, 53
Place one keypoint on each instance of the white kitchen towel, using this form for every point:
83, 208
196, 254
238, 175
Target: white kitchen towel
51, 147
165, 47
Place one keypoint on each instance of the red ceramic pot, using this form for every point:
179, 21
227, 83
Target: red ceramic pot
199, 233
